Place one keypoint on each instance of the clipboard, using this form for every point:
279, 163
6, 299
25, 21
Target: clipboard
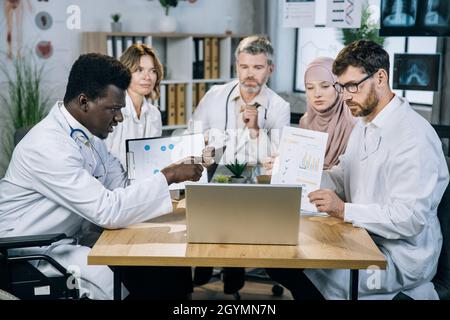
147, 156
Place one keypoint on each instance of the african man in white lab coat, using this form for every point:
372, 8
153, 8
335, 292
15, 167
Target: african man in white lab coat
62, 179
246, 117
389, 181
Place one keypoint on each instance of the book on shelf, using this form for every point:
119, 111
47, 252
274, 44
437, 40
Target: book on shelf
171, 105
162, 103
207, 57
201, 90
198, 59
215, 59
109, 47
181, 104
139, 40
194, 96
128, 42
119, 47
116, 45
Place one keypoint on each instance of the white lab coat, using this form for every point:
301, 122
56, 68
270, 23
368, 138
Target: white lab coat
50, 187
210, 118
392, 177
149, 125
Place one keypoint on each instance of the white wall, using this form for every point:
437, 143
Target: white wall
283, 40
204, 16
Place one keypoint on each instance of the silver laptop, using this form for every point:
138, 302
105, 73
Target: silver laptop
242, 213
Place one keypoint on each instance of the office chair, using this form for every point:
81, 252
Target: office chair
442, 278
21, 279
203, 275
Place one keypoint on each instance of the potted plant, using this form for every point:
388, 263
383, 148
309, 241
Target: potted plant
167, 4
237, 169
368, 30
221, 178
116, 25
168, 23
25, 103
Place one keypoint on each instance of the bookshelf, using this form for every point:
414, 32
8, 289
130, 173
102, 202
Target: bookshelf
192, 64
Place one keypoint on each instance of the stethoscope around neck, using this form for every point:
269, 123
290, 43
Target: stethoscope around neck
226, 107
75, 135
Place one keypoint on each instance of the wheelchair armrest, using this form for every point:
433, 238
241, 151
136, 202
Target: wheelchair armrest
30, 241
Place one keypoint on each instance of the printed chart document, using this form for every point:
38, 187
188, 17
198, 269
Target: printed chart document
299, 14
300, 162
344, 14
146, 157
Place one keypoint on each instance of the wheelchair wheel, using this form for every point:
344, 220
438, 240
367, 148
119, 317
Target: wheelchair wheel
277, 290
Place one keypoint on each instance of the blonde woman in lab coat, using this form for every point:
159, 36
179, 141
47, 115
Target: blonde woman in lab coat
141, 119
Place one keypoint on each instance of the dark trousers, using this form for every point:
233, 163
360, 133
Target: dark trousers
160, 283
296, 282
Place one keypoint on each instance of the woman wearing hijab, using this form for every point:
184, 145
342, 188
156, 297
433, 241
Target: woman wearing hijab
326, 110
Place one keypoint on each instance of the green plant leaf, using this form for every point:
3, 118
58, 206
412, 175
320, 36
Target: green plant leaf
25, 102
221, 179
236, 168
367, 30
115, 17
167, 4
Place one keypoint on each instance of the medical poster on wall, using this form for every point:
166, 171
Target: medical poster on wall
344, 14
300, 162
299, 13
146, 157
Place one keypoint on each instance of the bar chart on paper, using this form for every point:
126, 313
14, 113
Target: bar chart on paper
300, 162
309, 162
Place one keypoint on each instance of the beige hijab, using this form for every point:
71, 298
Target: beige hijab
336, 120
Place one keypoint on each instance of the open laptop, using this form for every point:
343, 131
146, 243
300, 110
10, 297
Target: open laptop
242, 213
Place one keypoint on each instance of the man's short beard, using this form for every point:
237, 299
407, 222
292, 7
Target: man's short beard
251, 90
370, 104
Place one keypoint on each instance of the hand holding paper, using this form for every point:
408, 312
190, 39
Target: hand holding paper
269, 162
327, 201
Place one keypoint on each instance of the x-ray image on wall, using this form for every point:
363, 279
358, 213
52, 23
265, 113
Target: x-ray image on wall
416, 71
398, 13
437, 13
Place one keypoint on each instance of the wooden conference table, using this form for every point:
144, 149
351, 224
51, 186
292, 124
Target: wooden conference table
324, 243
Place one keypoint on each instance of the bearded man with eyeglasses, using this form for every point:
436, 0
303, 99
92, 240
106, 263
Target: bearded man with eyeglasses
389, 181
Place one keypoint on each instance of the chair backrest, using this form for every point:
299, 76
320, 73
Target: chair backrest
442, 278
443, 133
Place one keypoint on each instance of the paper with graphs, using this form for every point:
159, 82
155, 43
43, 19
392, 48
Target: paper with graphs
300, 161
146, 157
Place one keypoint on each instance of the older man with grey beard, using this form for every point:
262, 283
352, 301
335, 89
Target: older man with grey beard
246, 117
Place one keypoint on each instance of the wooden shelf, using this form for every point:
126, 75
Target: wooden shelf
177, 52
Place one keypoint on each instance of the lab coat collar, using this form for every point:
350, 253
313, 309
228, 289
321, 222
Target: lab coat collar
73, 123
375, 126
130, 112
384, 117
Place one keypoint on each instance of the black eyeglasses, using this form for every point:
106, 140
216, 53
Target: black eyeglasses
351, 87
